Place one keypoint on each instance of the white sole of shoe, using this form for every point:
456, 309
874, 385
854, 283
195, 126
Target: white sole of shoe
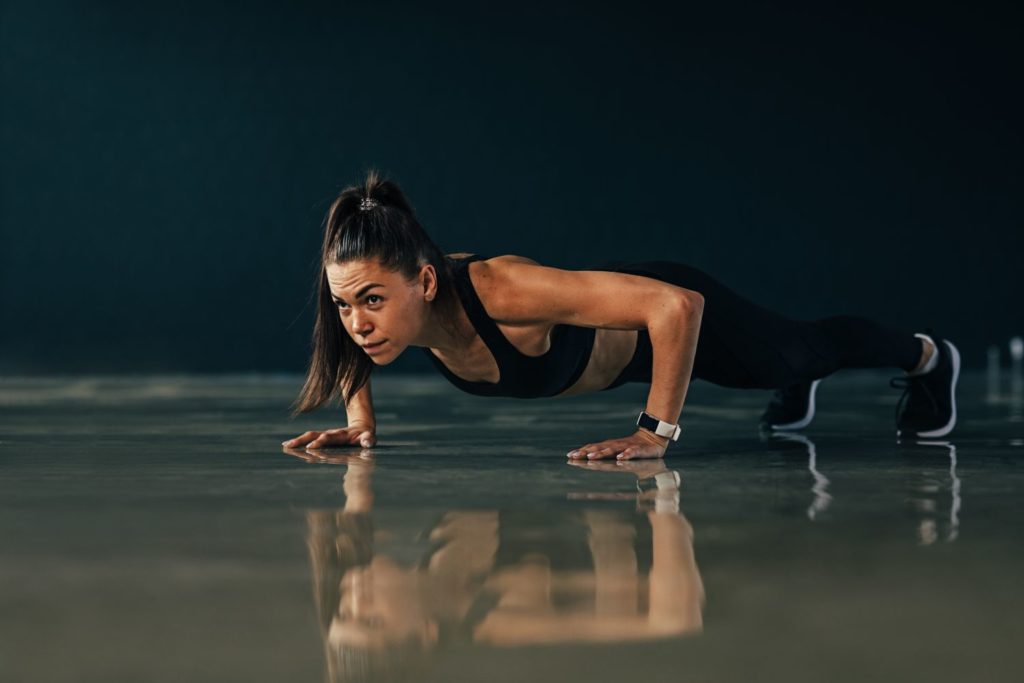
954, 355
806, 419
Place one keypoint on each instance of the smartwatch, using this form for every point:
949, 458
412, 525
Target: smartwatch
651, 423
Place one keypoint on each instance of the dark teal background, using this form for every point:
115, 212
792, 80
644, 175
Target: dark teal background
166, 167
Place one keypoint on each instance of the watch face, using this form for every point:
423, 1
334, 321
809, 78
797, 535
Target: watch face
648, 422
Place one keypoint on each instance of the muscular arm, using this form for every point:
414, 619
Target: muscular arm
514, 291
674, 336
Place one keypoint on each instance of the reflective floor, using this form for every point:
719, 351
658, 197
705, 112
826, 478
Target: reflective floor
153, 529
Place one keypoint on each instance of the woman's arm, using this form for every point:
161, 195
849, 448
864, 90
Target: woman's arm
513, 291
674, 344
361, 429
360, 409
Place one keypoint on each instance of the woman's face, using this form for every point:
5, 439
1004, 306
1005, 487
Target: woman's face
381, 603
380, 310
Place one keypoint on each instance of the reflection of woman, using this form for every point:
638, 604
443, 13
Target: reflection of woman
379, 618
508, 326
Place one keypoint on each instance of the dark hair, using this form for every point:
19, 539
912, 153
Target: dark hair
389, 233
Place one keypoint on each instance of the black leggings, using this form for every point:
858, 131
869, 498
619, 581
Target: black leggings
743, 345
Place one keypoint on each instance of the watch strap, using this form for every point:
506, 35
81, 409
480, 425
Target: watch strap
659, 427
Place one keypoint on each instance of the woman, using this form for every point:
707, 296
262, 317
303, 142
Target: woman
508, 326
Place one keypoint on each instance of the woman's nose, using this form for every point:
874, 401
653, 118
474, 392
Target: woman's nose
361, 326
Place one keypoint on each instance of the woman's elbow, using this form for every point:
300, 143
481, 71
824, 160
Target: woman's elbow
698, 300
690, 303
679, 304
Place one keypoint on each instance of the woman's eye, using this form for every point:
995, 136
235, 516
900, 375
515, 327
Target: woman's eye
342, 305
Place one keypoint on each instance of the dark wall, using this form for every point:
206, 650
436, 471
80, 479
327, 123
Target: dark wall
165, 168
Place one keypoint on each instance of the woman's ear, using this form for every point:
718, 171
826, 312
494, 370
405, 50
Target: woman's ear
428, 282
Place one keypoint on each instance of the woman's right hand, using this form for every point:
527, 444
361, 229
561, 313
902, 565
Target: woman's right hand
356, 434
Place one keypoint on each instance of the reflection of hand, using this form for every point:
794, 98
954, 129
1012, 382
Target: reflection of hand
609, 495
352, 456
640, 444
357, 433
664, 497
643, 469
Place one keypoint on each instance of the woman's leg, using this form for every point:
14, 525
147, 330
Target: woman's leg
745, 345
847, 341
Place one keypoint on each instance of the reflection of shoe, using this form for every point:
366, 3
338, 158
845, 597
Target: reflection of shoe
791, 407
822, 498
928, 405
928, 529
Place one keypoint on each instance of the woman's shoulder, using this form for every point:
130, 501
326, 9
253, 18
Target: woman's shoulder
491, 279
495, 273
495, 260
512, 258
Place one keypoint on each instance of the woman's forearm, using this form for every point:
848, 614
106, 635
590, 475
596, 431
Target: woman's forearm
360, 408
674, 333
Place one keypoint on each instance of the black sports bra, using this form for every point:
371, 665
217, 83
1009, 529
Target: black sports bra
521, 376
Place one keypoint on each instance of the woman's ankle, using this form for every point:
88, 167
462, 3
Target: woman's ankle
929, 356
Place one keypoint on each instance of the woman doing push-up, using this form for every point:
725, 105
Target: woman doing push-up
509, 326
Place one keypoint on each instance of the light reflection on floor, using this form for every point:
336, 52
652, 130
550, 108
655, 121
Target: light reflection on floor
155, 530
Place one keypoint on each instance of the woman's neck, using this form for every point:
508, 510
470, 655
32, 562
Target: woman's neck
438, 335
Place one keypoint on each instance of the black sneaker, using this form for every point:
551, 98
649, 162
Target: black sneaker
791, 407
928, 405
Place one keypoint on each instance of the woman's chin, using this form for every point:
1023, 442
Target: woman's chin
385, 357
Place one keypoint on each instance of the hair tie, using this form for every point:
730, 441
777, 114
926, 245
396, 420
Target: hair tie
367, 204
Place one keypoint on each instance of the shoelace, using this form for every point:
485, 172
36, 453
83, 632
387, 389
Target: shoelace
909, 384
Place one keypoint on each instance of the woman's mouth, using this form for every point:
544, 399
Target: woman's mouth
373, 348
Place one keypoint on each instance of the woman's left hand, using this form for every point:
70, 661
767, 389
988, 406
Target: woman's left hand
641, 444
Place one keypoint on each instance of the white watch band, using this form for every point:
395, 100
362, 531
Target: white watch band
670, 430
659, 427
